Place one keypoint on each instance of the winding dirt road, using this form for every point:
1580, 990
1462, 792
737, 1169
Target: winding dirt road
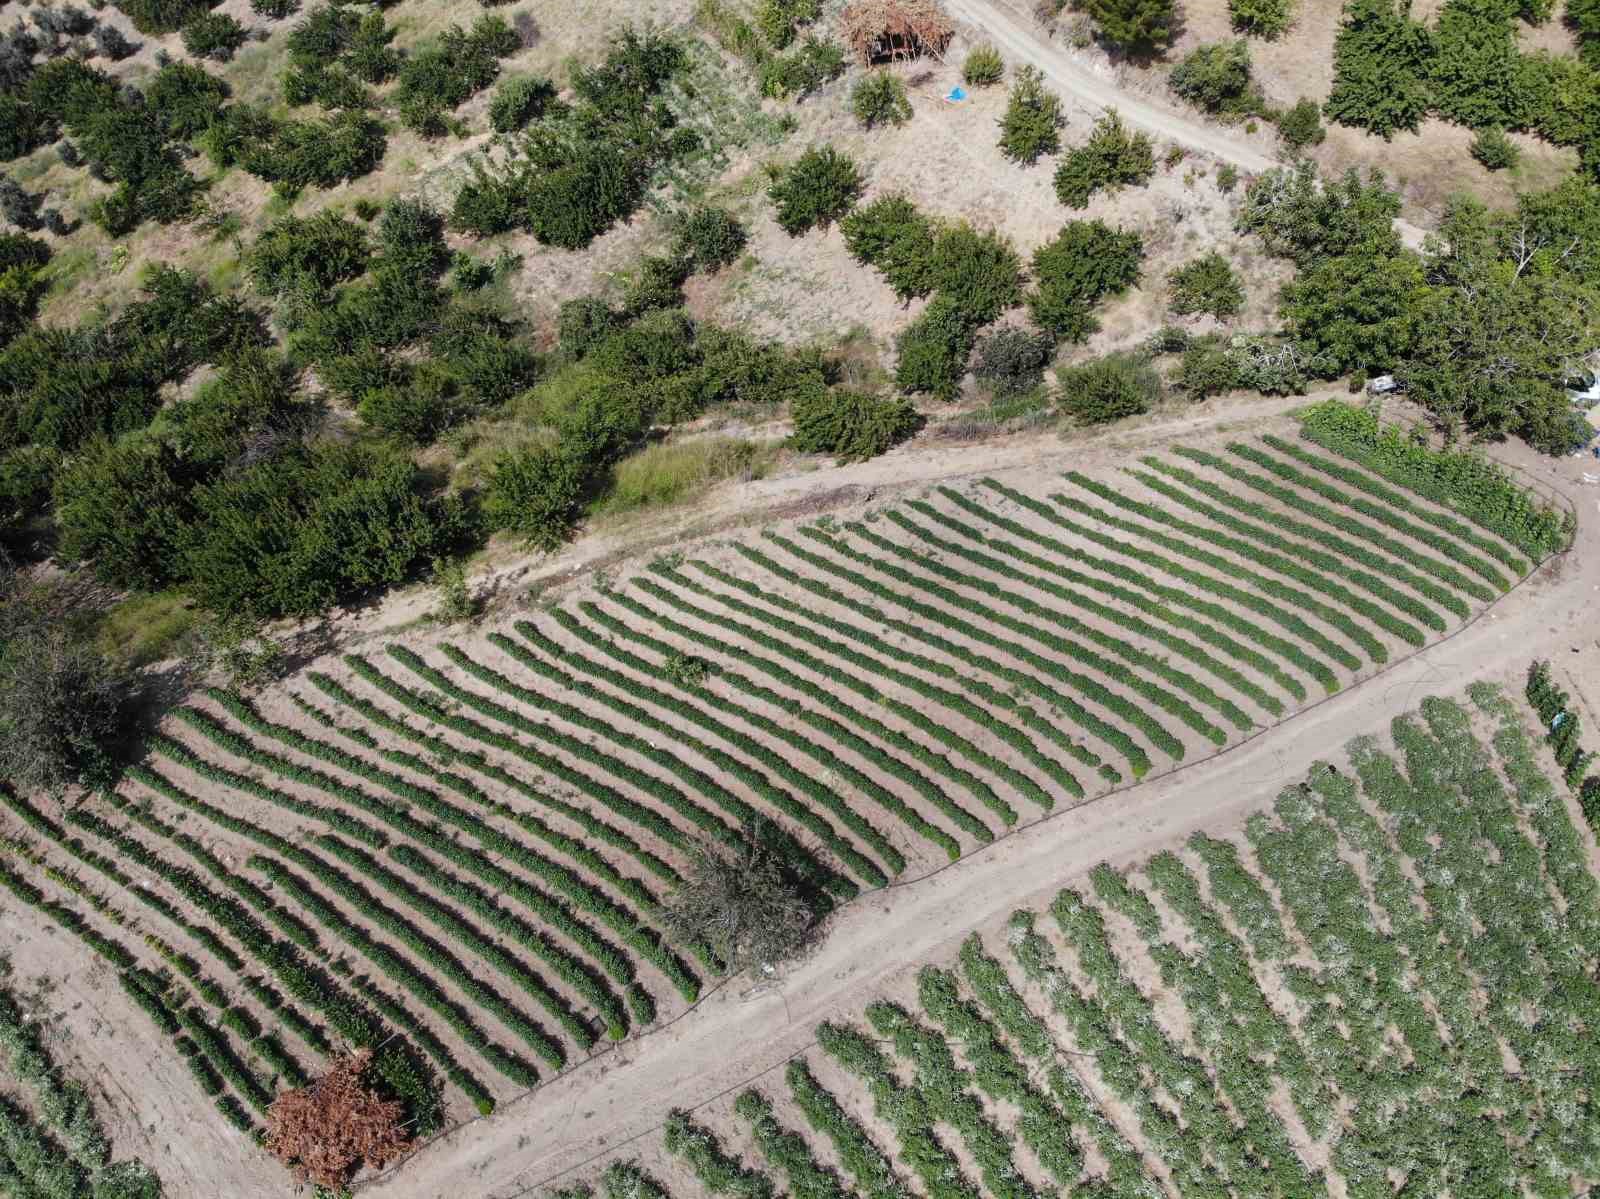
731, 1039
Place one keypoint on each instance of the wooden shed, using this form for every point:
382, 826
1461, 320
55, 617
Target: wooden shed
892, 30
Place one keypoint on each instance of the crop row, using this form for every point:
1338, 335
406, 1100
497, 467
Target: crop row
1390, 507
1135, 624
1138, 600
62, 1104
842, 678
1333, 563
827, 699
1341, 519
944, 618
869, 639
443, 751
719, 1173
487, 836
1018, 679
727, 764
688, 713
1190, 597
874, 1174
1319, 583
1116, 645
569, 967
880, 668
620, 921
787, 1150
707, 705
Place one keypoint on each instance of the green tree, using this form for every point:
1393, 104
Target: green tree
879, 98
1082, 264
1356, 311
1207, 284
1136, 25
893, 236
1475, 74
815, 190
980, 270
932, 351
1031, 126
739, 901
1301, 126
1107, 389
1380, 65
1263, 18
1112, 158
1216, 77
850, 425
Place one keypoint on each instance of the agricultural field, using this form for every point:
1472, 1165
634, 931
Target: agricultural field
1378, 985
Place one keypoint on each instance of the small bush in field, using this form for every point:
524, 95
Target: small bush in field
816, 190
1494, 149
215, 36
880, 99
708, 238
802, 71
275, 10
517, 100
1264, 18
1207, 284
984, 67
1031, 126
1011, 361
849, 425
893, 236
933, 349
1111, 159
1107, 389
1301, 126
1216, 78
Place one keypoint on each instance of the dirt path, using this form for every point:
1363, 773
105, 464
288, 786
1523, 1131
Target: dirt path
732, 1038
1020, 42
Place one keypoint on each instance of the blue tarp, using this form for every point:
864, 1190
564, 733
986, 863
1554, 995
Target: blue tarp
956, 94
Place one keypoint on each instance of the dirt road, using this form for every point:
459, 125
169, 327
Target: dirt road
730, 1040
1022, 42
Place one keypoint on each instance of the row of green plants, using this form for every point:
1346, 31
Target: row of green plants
314, 987
1386, 513
1393, 508
1071, 624
868, 639
822, 696
872, 1171
1287, 548
786, 1150
697, 1146
1039, 567
1317, 583
683, 710
1192, 596
1564, 732
1020, 680
948, 699
871, 873
831, 730
1399, 553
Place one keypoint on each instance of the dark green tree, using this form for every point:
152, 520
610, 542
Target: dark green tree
1380, 65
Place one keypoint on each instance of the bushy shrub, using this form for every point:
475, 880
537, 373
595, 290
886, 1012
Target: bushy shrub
213, 35
708, 238
1081, 265
110, 42
325, 249
984, 66
185, 99
1207, 284
21, 259
536, 494
1380, 59
1300, 219
1138, 25
1494, 149
1207, 369
275, 10
583, 323
1111, 159
981, 270
18, 205
815, 190
893, 236
435, 80
933, 350
517, 100
1011, 361
849, 425
1301, 126
879, 98
1474, 74
779, 20
1227, 177
1216, 77
1263, 18
163, 16
801, 72
1031, 126
294, 155
1107, 389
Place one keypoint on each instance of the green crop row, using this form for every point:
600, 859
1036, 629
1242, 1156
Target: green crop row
719, 1173
943, 618
469, 938
62, 1103
824, 698
1320, 583
862, 641
1339, 519
754, 779
830, 728
213, 1043
486, 835
703, 712
873, 1172
32, 1163
690, 713
1235, 678
869, 638
838, 675
1466, 483
1341, 546
1115, 645
402, 971
1392, 504
442, 750
586, 898
1172, 596
787, 1150
1204, 582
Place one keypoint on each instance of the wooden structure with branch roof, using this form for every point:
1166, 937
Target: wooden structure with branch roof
891, 30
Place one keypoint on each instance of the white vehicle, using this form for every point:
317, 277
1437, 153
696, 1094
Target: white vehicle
1382, 385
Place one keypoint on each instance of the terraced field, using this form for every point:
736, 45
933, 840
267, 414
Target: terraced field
456, 850
1382, 987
